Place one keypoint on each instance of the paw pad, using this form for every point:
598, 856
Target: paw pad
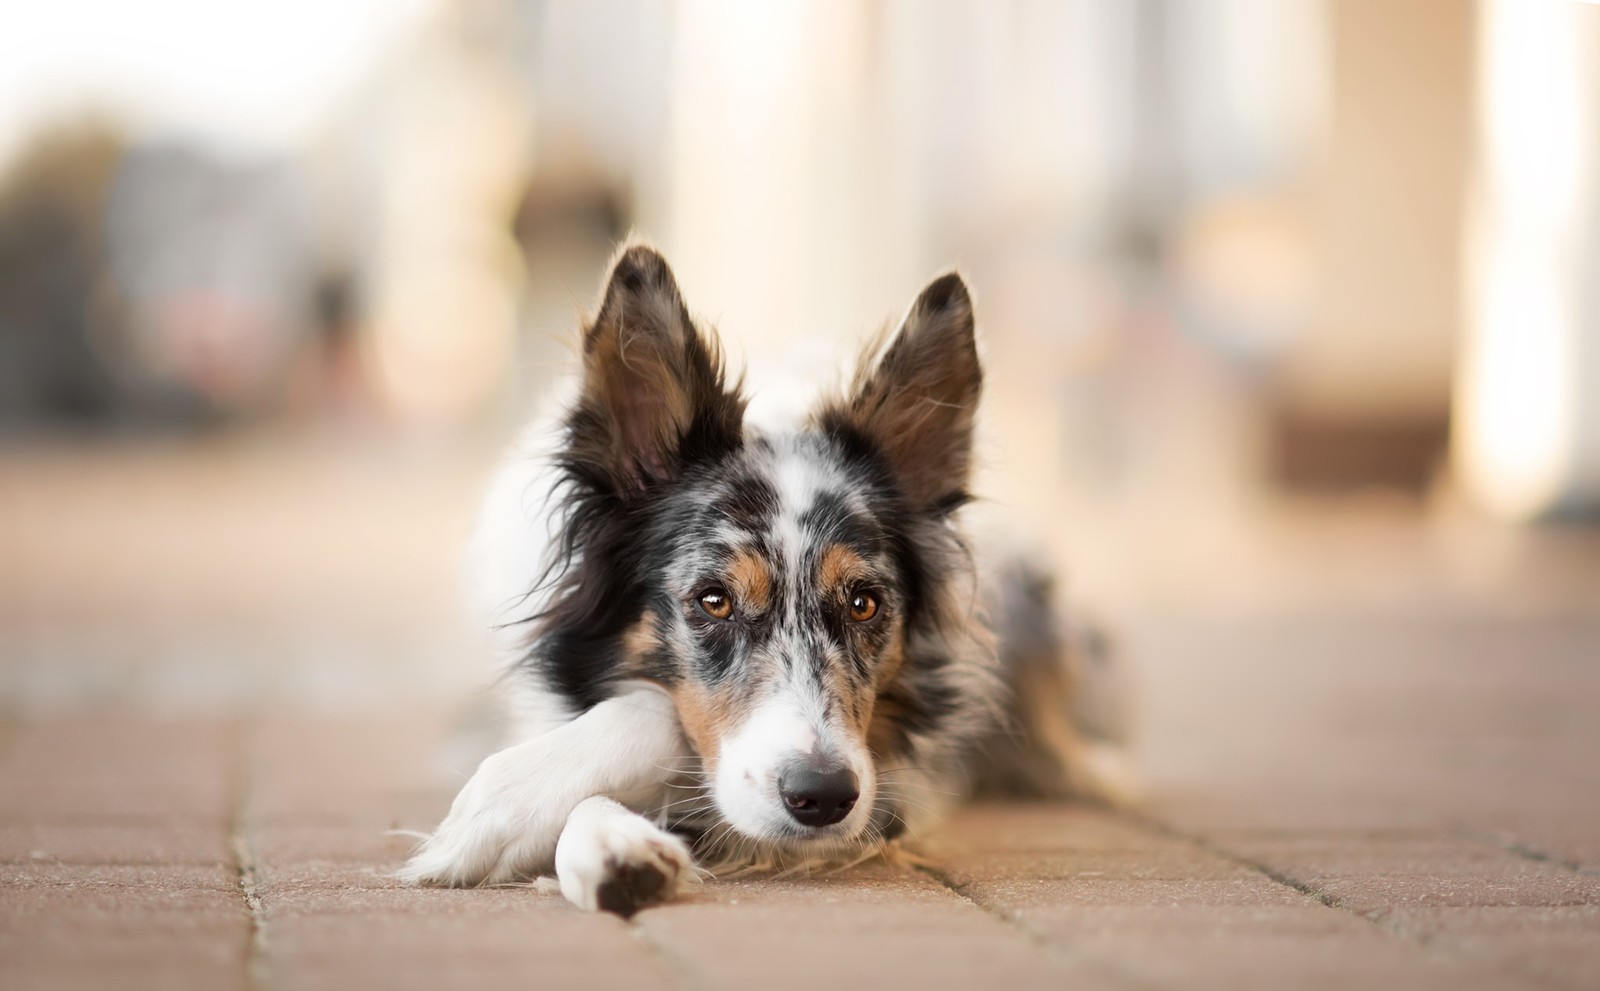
629, 888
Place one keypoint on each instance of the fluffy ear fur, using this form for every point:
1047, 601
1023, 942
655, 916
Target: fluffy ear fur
916, 404
654, 393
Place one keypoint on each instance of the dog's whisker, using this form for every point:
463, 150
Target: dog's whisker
677, 810
908, 801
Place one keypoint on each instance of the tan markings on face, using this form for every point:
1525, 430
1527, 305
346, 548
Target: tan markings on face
890, 659
840, 567
640, 637
860, 703
855, 702
639, 640
709, 715
751, 581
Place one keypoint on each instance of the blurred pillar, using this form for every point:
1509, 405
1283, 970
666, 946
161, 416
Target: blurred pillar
447, 132
1527, 404
775, 156
1365, 390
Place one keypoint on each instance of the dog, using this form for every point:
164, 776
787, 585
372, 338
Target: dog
739, 645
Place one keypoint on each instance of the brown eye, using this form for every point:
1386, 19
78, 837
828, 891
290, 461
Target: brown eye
716, 604
863, 606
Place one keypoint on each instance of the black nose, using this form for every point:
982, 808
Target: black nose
818, 796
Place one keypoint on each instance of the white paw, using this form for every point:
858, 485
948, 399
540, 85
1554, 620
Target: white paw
612, 860
502, 827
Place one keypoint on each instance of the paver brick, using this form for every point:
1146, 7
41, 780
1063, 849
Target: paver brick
1560, 944
115, 841
108, 766
119, 926
352, 927
876, 927
1389, 870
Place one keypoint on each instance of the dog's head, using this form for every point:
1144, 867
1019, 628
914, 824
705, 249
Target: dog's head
772, 583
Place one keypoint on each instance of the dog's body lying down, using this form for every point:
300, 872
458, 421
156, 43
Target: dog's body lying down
754, 645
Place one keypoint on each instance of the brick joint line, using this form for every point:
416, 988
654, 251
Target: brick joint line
679, 970
1379, 918
257, 972
1510, 844
1052, 947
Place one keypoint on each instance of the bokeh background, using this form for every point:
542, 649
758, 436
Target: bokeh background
1289, 307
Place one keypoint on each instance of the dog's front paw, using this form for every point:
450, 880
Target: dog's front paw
613, 860
502, 827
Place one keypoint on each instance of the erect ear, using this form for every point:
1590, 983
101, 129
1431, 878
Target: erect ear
654, 394
917, 403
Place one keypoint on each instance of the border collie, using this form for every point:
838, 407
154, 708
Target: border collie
752, 646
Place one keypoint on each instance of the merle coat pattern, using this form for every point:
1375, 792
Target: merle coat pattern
747, 644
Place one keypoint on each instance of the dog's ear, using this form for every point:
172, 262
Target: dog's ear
916, 404
654, 393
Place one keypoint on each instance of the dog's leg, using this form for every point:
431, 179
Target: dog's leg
505, 823
615, 860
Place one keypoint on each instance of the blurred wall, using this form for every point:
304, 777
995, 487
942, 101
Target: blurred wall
1387, 213
1362, 395
1527, 400
1216, 243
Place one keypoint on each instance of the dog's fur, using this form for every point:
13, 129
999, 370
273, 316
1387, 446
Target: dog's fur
701, 605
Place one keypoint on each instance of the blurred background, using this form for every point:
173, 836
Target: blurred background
1290, 309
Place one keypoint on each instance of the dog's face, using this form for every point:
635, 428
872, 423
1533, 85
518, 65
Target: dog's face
769, 582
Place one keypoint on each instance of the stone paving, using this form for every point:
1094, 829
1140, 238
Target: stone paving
1342, 793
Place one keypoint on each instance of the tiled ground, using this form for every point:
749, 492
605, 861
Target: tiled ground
1381, 790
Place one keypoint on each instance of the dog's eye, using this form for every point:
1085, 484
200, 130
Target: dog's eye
863, 606
716, 603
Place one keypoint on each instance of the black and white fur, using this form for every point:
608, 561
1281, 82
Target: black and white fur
704, 616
